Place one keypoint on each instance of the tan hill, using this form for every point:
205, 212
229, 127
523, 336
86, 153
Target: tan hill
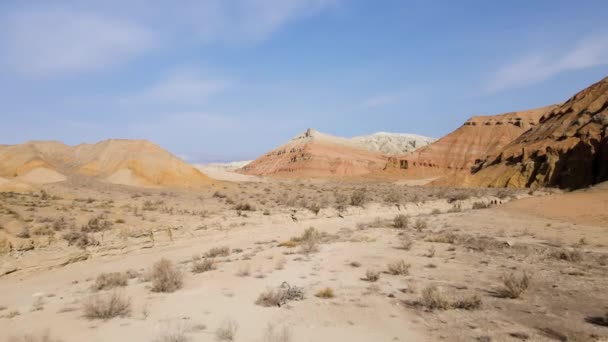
315, 154
392, 143
129, 162
477, 138
567, 149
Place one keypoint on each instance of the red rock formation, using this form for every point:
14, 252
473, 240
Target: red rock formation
477, 138
314, 154
567, 149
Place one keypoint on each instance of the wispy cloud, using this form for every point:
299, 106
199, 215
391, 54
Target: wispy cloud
180, 87
49, 41
68, 37
534, 68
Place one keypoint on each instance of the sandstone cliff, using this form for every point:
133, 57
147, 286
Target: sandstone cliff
567, 149
477, 138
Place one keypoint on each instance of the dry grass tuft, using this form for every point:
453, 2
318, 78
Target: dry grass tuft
433, 299
106, 281
276, 334
372, 275
203, 265
514, 286
107, 306
218, 252
401, 221
326, 293
271, 297
399, 268
166, 277
227, 330
405, 243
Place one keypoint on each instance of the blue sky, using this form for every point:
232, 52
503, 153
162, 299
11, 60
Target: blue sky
230, 79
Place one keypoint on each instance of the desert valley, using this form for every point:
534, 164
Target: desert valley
497, 231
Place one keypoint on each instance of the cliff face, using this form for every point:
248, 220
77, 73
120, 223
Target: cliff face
314, 154
477, 138
567, 149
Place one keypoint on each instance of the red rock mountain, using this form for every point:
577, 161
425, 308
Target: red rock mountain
567, 149
315, 154
477, 138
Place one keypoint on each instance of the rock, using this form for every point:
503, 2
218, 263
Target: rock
76, 257
567, 149
7, 267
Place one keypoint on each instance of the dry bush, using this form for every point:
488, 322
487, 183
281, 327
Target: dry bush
106, 281
480, 205
393, 197
244, 271
341, 201
202, 265
227, 330
218, 252
107, 306
372, 275
326, 293
401, 221
244, 207
97, 224
420, 225
455, 209
442, 238
358, 198
271, 297
315, 208
405, 243
468, 303
355, 264
433, 299
43, 337
435, 212
430, 252
398, 268
573, 255
166, 277
218, 194
79, 239
513, 285
276, 334
308, 241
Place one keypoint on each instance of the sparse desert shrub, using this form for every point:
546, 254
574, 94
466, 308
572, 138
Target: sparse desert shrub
341, 201
271, 297
203, 265
401, 221
455, 209
244, 207
372, 275
393, 197
215, 252
308, 241
358, 198
513, 285
433, 299
442, 238
97, 224
106, 281
244, 271
355, 264
420, 225
227, 330
480, 205
107, 306
398, 268
173, 334
430, 252
288, 244
42, 231
24, 233
326, 293
467, 303
60, 224
166, 277
573, 255
219, 194
435, 212
315, 208
79, 239
43, 337
405, 243
277, 334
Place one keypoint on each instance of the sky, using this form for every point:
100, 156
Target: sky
222, 80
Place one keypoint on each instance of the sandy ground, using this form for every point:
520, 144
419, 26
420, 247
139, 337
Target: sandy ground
463, 252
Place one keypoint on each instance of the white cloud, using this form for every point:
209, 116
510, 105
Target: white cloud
535, 68
46, 42
181, 87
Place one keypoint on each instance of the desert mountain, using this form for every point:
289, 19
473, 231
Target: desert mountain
316, 154
477, 138
567, 149
129, 162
